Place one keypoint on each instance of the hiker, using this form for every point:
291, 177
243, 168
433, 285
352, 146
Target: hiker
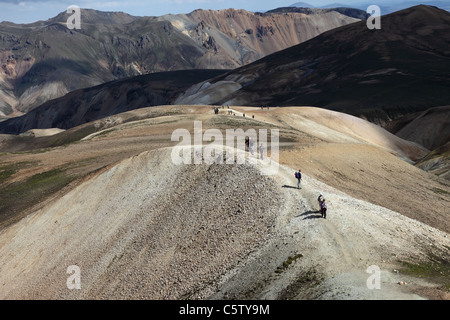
319, 199
298, 175
252, 147
323, 208
261, 151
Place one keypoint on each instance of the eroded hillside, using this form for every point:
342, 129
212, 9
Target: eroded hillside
141, 227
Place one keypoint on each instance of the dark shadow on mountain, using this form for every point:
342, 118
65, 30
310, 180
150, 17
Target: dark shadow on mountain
85, 105
399, 69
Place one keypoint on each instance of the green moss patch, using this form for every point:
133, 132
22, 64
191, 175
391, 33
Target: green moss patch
7, 170
436, 270
287, 263
19, 196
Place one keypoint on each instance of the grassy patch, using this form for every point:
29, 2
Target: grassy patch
18, 196
287, 263
309, 279
6, 171
437, 271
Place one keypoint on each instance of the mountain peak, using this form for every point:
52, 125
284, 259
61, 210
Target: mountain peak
404, 67
97, 17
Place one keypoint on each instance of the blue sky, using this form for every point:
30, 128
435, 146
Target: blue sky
26, 11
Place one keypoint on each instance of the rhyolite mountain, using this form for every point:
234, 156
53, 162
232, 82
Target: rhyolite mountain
45, 60
379, 74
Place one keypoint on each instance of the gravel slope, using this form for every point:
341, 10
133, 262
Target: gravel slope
143, 229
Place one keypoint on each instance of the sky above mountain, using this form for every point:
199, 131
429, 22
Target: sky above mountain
27, 11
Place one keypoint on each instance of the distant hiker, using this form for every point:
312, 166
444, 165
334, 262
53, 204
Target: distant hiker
251, 145
253, 116
298, 175
323, 208
319, 199
261, 151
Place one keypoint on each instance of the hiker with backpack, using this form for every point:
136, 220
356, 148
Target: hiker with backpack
298, 175
323, 208
319, 200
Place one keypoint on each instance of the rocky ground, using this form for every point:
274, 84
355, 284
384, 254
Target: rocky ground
141, 227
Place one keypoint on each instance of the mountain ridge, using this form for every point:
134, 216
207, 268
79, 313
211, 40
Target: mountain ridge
379, 74
45, 60
293, 77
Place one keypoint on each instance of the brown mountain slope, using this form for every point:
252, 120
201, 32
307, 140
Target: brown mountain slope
430, 128
237, 37
437, 161
379, 74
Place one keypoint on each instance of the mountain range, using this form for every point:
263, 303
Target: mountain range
402, 68
386, 7
40, 61
378, 74
397, 72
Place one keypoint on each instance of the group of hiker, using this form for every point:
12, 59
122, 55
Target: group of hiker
231, 112
320, 199
250, 146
